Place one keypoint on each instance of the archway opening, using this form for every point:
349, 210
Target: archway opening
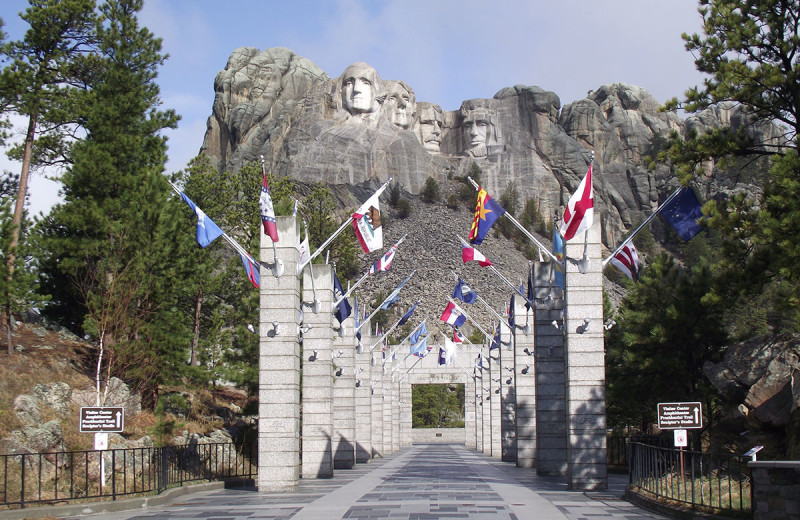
437, 405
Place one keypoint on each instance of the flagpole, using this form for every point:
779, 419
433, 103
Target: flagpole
404, 340
379, 306
277, 263
520, 226
390, 330
498, 273
469, 318
351, 289
330, 239
409, 370
498, 316
233, 243
643, 224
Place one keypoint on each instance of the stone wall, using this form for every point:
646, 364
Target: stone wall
776, 489
438, 435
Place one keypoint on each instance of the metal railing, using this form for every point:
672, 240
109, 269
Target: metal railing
704, 481
38, 478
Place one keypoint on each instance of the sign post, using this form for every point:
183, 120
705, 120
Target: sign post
102, 420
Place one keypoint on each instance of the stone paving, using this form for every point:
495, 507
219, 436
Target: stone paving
433, 481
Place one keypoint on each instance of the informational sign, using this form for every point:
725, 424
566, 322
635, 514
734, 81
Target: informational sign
680, 416
681, 438
102, 419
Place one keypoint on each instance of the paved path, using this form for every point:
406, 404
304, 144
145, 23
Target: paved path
424, 482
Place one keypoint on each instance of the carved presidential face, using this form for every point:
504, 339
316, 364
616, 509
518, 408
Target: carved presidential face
430, 128
400, 105
360, 89
476, 132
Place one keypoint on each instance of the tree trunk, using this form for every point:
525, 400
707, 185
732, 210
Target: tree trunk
16, 221
198, 304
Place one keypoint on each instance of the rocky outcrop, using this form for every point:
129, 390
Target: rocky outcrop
762, 375
313, 129
117, 394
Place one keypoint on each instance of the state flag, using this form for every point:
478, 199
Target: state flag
453, 315
579, 213
469, 254
267, 210
627, 261
207, 230
463, 292
487, 211
367, 224
343, 310
683, 212
251, 267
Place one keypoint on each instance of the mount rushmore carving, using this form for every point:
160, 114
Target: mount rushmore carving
359, 127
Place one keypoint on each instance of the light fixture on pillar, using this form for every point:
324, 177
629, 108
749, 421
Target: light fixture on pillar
527, 351
554, 323
584, 327
338, 371
359, 348
510, 369
337, 354
526, 329
274, 331
341, 331
526, 369
316, 306
609, 324
509, 380
251, 328
313, 356
358, 383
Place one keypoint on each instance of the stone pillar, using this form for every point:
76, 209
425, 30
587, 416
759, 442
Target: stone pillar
551, 432
279, 365
486, 401
585, 367
344, 398
496, 405
396, 411
470, 440
363, 404
508, 399
386, 388
405, 412
318, 375
525, 391
478, 402
376, 396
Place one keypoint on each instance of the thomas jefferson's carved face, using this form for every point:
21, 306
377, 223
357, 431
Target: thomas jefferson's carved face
359, 89
400, 106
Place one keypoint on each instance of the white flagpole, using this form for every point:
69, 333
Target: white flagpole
233, 243
642, 225
404, 340
379, 306
498, 273
469, 318
390, 330
520, 226
330, 239
409, 370
351, 289
277, 263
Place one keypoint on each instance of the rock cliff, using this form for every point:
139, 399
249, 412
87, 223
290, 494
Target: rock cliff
358, 127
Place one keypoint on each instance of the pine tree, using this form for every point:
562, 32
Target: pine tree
40, 80
114, 236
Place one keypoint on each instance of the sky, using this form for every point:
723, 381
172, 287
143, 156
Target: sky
448, 51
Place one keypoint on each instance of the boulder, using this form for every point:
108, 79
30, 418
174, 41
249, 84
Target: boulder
118, 394
55, 395
27, 409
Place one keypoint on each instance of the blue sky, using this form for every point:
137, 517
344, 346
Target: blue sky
446, 50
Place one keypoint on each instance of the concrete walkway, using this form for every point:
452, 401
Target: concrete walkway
419, 483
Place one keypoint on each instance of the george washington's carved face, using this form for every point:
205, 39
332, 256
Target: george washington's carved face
360, 89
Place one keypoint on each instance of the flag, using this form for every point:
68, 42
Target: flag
421, 348
367, 224
682, 212
558, 252
407, 315
511, 313
496, 340
355, 317
463, 292
251, 267
207, 231
487, 211
457, 337
442, 356
449, 352
470, 253
342, 310
530, 294
579, 213
418, 343
305, 250
453, 315
267, 211
627, 260
394, 296
385, 262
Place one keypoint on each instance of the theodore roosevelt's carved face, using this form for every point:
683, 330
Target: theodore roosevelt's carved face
430, 128
360, 89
